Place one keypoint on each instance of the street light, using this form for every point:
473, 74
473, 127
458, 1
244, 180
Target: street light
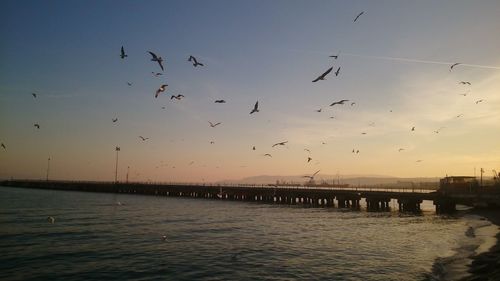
116, 165
48, 167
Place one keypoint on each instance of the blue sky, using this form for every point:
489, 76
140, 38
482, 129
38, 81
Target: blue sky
68, 53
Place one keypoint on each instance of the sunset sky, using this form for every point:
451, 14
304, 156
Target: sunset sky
395, 65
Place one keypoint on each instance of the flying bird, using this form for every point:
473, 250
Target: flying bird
453, 65
157, 59
51, 219
311, 177
194, 61
129, 83
401, 149
337, 72
178, 97
460, 115
122, 53
338, 102
322, 76
280, 143
305, 149
438, 130
3, 146
412, 129
478, 101
363, 133
267, 154
143, 138
419, 160
114, 120
212, 142
220, 101
34, 95
36, 125
161, 90
358, 16
309, 159
213, 125
353, 103
253, 148
255, 108
464, 82
332, 117
318, 110
156, 74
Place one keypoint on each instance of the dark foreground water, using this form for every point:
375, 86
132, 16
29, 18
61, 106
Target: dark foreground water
119, 237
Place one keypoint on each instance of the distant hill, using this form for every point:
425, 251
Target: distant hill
343, 179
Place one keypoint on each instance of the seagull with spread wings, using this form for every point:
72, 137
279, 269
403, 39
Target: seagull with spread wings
280, 143
161, 90
143, 138
255, 108
338, 102
322, 76
122, 53
220, 101
213, 125
157, 59
359, 15
3, 146
464, 82
453, 65
311, 177
34, 95
194, 61
37, 125
178, 97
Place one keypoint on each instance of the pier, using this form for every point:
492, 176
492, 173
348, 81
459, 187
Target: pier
375, 199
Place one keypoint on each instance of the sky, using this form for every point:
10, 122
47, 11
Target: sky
394, 66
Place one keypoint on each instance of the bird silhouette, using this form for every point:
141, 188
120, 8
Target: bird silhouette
157, 59
280, 143
114, 120
311, 177
194, 61
357, 17
337, 72
161, 90
464, 82
401, 149
253, 148
419, 160
122, 53
213, 125
212, 142
156, 73
318, 110
178, 97
34, 95
36, 125
338, 102
478, 101
309, 159
353, 103
143, 138
267, 154
322, 76
460, 115
439, 130
129, 83
305, 149
255, 108
412, 129
453, 65
3, 146
220, 101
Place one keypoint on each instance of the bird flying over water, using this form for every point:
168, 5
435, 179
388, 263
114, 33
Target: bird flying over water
453, 65
213, 125
255, 108
338, 102
322, 76
464, 82
311, 177
280, 143
194, 61
36, 125
178, 97
161, 90
337, 72
122, 53
143, 138
220, 101
357, 17
157, 59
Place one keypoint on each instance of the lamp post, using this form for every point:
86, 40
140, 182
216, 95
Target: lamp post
48, 168
128, 168
117, 149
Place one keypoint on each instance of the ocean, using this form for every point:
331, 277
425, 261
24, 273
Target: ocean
98, 236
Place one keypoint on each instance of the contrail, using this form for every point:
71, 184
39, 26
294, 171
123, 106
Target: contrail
419, 61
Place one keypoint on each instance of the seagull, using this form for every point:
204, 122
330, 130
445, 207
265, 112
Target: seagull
161, 90
438, 130
318, 110
312, 176
363, 133
412, 129
194, 61
51, 219
212, 142
464, 94
357, 151
337, 72
34, 95
129, 83
309, 159
280, 143
353, 103
478, 101
213, 125
253, 148
335, 56
156, 73
401, 149
464, 82
114, 120
255, 108
267, 154
358, 16
143, 138
162, 107
122, 53
453, 65
3, 146
178, 97
338, 102
36, 125
156, 58
460, 115
419, 160
305, 149
322, 76
220, 101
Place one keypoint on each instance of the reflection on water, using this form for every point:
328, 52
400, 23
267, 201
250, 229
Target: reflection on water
93, 237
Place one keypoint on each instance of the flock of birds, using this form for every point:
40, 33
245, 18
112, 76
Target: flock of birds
196, 63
